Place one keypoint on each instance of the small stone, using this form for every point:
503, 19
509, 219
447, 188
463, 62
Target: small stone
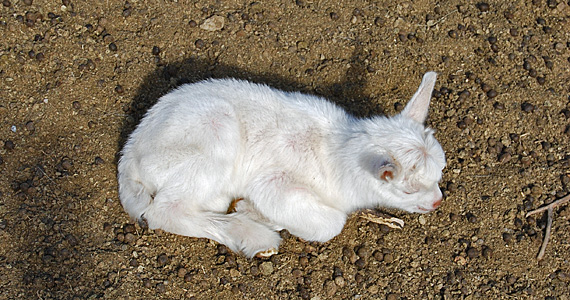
155, 50
492, 94
330, 288
363, 252
213, 23
99, 161
339, 281
472, 253
378, 255
66, 163
527, 107
199, 44
182, 272
487, 252
222, 249
392, 296
505, 157
30, 126
119, 89
130, 238
303, 261
483, 7
499, 105
422, 220
360, 263
146, 283
266, 268
285, 234
9, 145
113, 47
162, 260
507, 237
296, 273
134, 263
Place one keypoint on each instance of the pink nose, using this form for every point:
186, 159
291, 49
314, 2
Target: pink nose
437, 203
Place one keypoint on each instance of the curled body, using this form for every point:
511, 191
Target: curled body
298, 161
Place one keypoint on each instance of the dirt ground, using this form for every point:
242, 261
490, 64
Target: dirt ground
76, 76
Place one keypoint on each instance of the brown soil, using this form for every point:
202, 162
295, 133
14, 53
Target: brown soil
77, 75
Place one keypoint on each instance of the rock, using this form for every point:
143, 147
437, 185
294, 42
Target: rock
213, 23
266, 268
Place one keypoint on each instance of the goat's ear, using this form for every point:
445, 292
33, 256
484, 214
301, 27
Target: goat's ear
417, 108
382, 166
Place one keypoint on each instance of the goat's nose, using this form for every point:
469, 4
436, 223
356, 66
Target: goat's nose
437, 203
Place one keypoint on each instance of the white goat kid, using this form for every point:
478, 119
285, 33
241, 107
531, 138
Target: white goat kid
298, 161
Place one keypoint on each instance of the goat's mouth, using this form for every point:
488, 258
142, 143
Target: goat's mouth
425, 210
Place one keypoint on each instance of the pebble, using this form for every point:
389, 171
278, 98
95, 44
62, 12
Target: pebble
134, 263
378, 255
113, 47
392, 296
483, 7
181, 272
284, 234
162, 260
30, 126
360, 263
330, 288
254, 270
66, 163
505, 157
527, 107
492, 94
98, 160
339, 281
119, 89
472, 253
363, 252
213, 23
487, 252
266, 268
9, 145
199, 44
422, 220
130, 238
303, 261
155, 50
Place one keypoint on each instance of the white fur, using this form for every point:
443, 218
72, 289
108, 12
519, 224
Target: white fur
300, 163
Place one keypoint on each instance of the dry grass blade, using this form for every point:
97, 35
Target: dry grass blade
380, 218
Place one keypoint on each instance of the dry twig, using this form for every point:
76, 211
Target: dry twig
550, 208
